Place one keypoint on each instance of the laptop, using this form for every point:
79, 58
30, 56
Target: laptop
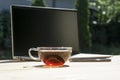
42, 27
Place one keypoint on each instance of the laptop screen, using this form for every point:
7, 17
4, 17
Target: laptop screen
43, 27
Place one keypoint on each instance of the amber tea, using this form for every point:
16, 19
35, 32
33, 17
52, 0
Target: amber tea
52, 56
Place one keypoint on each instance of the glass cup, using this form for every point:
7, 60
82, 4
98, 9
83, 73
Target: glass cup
52, 56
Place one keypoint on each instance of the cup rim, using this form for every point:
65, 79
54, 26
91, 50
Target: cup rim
54, 48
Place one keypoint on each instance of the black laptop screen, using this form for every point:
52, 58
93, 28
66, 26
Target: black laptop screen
43, 27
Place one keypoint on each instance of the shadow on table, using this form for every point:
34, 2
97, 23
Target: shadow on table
44, 66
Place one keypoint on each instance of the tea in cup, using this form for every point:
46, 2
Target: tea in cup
52, 56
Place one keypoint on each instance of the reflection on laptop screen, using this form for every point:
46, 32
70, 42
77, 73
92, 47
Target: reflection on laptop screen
43, 27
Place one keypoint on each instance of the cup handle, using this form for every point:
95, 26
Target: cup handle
30, 54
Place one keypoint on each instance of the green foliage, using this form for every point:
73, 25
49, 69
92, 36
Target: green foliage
83, 22
99, 34
103, 49
108, 9
106, 34
5, 33
1, 30
38, 3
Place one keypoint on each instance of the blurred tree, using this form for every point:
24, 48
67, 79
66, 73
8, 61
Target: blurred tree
5, 34
1, 32
5, 29
83, 25
108, 9
107, 30
38, 3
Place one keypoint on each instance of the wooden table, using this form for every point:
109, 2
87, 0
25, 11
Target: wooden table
32, 70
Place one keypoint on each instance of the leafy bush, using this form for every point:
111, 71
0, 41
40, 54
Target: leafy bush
5, 32
83, 22
38, 3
